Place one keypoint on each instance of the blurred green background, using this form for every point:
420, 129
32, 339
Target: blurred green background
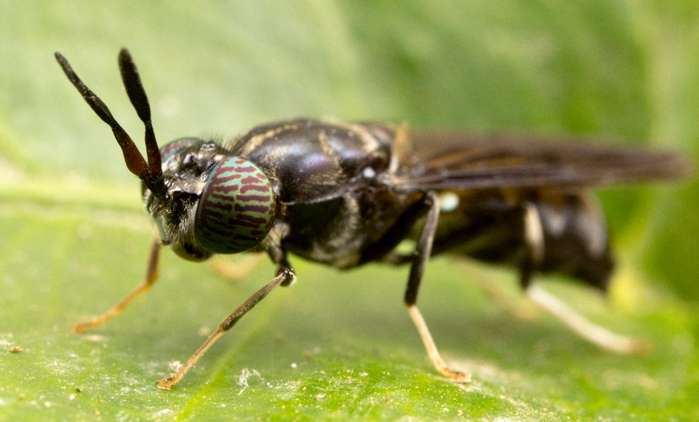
73, 236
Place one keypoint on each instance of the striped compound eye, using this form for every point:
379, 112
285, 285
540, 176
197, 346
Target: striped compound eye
236, 209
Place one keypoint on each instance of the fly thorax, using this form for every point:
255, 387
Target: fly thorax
236, 208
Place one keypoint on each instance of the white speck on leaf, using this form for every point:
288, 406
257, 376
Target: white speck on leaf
244, 377
161, 413
95, 338
5, 340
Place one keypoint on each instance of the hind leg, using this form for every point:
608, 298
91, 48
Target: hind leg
576, 322
490, 288
510, 303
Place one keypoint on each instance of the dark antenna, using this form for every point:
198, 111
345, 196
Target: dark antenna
150, 173
137, 95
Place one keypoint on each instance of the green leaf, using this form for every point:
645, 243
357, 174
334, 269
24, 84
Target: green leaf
337, 345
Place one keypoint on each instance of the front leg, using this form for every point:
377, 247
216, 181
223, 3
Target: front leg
285, 275
150, 279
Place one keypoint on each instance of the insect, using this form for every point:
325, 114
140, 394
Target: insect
347, 194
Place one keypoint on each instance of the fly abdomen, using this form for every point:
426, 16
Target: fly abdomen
493, 227
576, 239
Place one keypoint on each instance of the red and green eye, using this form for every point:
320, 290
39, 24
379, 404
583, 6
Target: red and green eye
236, 208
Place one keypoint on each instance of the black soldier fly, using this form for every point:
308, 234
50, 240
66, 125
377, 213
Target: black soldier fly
347, 194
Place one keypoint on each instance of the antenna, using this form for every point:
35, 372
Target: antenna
139, 100
150, 173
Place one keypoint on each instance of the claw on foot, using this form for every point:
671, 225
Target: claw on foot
166, 383
456, 376
82, 327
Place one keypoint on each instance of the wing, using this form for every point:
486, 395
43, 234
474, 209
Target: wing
459, 161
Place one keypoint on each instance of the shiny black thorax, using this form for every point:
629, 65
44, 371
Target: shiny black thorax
328, 179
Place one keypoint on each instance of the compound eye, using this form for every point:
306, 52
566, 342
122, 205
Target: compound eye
236, 208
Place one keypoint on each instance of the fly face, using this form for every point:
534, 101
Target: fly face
186, 166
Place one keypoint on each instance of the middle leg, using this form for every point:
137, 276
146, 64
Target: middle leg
417, 269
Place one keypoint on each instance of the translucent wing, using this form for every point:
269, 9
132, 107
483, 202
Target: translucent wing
458, 161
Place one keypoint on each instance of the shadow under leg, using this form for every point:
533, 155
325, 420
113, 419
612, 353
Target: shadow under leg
151, 277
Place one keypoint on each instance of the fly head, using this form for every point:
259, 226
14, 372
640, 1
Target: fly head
203, 200
216, 202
